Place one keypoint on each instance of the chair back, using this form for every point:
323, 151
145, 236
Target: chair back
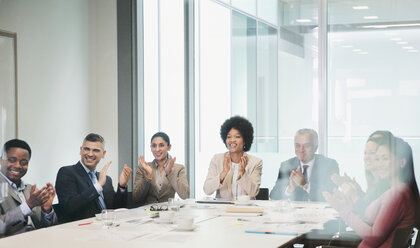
402, 237
262, 195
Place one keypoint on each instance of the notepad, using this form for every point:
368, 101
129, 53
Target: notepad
243, 209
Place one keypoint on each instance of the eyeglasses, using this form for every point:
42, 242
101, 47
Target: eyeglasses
22, 162
156, 207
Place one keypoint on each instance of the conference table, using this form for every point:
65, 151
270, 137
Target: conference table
215, 225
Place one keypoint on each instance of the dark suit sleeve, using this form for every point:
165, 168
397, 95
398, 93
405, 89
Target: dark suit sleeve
114, 200
68, 185
277, 193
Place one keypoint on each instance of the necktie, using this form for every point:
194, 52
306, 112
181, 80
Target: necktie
305, 172
101, 198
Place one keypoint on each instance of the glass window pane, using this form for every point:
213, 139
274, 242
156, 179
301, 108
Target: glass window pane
248, 6
374, 81
267, 10
212, 85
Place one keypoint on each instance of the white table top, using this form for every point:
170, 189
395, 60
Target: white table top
215, 228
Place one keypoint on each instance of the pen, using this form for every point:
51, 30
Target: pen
240, 219
87, 223
268, 232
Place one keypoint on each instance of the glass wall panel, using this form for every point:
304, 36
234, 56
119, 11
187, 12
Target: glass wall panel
248, 6
212, 84
164, 74
374, 82
267, 10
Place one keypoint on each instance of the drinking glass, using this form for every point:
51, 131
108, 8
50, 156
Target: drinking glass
108, 218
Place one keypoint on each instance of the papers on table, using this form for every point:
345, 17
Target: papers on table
244, 209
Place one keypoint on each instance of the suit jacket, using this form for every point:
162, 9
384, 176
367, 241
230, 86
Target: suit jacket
146, 191
320, 179
12, 217
249, 182
79, 199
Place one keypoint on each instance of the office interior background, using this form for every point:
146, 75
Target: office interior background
343, 68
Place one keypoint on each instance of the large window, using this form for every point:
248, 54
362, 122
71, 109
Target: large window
265, 60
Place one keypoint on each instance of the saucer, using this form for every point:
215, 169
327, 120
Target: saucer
163, 221
191, 228
243, 203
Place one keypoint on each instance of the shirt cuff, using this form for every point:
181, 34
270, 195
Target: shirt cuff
46, 215
25, 209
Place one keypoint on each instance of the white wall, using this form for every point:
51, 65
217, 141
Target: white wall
67, 79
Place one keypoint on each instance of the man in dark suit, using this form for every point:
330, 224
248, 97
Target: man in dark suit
25, 207
82, 192
307, 175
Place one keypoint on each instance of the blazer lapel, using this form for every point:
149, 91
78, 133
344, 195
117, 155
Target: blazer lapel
13, 194
81, 172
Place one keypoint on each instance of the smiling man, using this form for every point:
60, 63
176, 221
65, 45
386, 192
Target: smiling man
25, 207
307, 175
82, 191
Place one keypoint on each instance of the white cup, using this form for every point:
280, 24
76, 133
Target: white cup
244, 199
108, 218
298, 246
166, 215
185, 223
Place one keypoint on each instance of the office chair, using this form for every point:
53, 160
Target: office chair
262, 195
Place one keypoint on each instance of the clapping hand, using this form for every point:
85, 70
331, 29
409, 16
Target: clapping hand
297, 177
146, 167
226, 167
125, 175
243, 163
37, 197
51, 192
102, 174
170, 165
351, 189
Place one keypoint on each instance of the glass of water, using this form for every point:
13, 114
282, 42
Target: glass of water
108, 218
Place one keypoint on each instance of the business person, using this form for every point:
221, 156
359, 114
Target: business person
162, 178
307, 175
397, 208
82, 191
234, 172
26, 207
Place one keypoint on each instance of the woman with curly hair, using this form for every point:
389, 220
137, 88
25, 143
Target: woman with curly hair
234, 172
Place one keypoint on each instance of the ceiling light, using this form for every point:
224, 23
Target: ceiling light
413, 51
303, 20
347, 46
392, 25
370, 17
363, 53
357, 50
407, 47
402, 42
395, 39
391, 33
360, 7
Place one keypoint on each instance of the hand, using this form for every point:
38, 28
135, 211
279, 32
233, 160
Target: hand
170, 165
337, 200
243, 163
226, 167
146, 167
349, 186
125, 176
47, 206
102, 174
37, 197
297, 177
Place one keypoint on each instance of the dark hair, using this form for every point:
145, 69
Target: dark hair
243, 126
163, 135
16, 143
93, 137
381, 133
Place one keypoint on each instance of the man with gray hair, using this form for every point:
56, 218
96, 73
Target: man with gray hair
307, 175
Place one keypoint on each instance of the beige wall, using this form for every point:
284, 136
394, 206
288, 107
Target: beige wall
67, 79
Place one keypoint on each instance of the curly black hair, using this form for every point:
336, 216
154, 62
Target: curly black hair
243, 126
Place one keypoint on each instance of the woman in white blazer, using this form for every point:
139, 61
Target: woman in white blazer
234, 172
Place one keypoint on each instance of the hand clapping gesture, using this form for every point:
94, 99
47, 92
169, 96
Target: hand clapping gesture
170, 165
125, 176
146, 167
47, 206
102, 174
243, 164
38, 197
226, 167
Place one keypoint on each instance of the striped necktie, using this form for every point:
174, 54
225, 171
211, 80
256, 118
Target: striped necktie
101, 198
